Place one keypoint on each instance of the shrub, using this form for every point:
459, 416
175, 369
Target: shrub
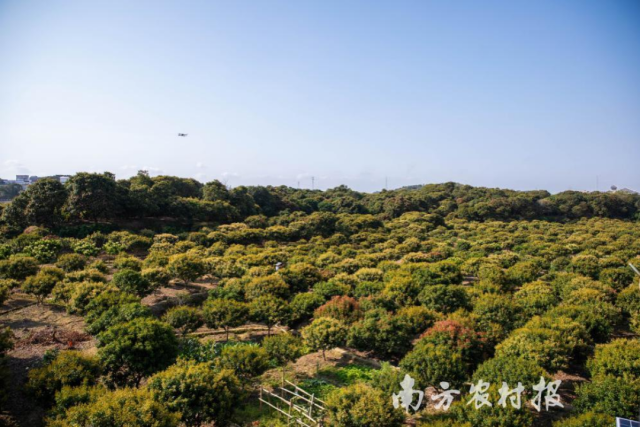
41, 284
535, 298
330, 289
245, 360
269, 285
382, 333
119, 408
85, 247
121, 313
184, 319
81, 294
222, 313
429, 364
509, 369
132, 281
588, 419
545, 347
270, 311
186, 267
324, 334
304, 304
618, 278
360, 405
196, 391
444, 298
157, 277
135, 349
127, 262
283, 348
18, 267
616, 397
69, 368
300, 277
71, 262
343, 308
620, 358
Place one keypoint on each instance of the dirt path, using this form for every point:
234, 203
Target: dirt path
36, 329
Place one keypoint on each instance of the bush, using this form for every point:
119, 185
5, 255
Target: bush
245, 360
132, 282
269, 285
382, 333
535, 298
343, 308
300, 277
509, 369
222, 313
85, 247
133, 350
121, 313
444, 298
429, 364
69, 368
119, 408
360, 405
620, 358
616, 397
71, 262
588, 419
324, 334
196, 391
303, 305
270, 311
283, 348
184, 319
545, 347
18, 267
157, 277
81, 294
618, 278
186, 267
41, 284
123, 262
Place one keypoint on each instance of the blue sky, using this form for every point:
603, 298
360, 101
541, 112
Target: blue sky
514, 94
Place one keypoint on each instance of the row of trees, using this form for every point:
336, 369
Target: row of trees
94, 197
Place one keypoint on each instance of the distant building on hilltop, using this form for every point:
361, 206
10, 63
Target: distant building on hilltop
615, 189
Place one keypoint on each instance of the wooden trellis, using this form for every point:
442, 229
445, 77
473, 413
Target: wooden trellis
297, 405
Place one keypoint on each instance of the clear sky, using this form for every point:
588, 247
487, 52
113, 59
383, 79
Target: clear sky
538, 94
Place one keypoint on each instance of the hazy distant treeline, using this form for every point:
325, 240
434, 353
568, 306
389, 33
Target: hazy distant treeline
99, 197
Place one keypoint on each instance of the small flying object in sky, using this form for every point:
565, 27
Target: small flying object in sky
182, 134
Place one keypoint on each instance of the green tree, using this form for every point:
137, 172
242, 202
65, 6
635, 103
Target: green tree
136, 349
246, 360
225, 313
198, 392
41, 284
186, 267
360, 405
620, 358
132, 282
46, 199
184, 319
71, 262
92, 196
324, 334
429, 363
125, 407
283, 348
18, 267
270, 311
69, 368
